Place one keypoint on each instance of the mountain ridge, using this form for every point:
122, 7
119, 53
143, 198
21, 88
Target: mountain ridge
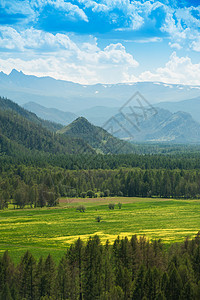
73, 97
97, 137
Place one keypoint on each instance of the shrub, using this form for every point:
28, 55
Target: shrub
81, 208
120, 205
111, 205
98, 219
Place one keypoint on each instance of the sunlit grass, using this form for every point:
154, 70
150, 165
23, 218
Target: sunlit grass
52, 230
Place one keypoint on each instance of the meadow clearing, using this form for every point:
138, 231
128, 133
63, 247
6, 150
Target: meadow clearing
51, 230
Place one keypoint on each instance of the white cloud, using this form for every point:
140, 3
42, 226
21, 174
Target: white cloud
149, 40
182, 26
64, 59
33, 8
67, 7
177, 70
175, 46
34, 39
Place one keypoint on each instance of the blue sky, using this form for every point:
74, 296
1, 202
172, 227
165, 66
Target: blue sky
103, 41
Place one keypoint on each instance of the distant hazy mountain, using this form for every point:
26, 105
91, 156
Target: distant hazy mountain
164, 126
191, 106
51, 114
6, 104
98, 115
98, 138
73, 97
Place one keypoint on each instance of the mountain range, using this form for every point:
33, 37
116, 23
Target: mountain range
73, 97
51, 114
53, 104
23, 132
162, 126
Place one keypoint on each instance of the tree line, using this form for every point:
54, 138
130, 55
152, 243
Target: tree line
13, 154
128, 269
43, 186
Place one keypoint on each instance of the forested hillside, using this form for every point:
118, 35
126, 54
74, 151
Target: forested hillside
96, 137
35, 137
6, 104
26, 129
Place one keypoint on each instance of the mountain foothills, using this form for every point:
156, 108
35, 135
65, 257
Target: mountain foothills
96, 137
161, 125
73, 97
23, 129
51, 114
28, 131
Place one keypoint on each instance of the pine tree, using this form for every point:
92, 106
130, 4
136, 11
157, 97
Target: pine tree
138, 284
175, 284
93, 269
27, 276
6, 295
49, 277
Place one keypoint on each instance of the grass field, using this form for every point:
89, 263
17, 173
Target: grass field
51, 230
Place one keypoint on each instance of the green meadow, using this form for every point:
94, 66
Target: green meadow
52, 230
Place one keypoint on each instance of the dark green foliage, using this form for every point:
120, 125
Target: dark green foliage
119, 205
111, 206
6, 294
25, 185
81, 208
98, 219
90, 194
94, 271
6, 104
98, 138
32, 136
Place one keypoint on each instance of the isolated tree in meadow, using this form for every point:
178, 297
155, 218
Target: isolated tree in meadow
111, 206
120, 205
98, 219
81, 208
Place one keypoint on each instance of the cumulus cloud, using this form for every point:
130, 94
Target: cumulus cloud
67, 7
62, 58
180, 24
177, 70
